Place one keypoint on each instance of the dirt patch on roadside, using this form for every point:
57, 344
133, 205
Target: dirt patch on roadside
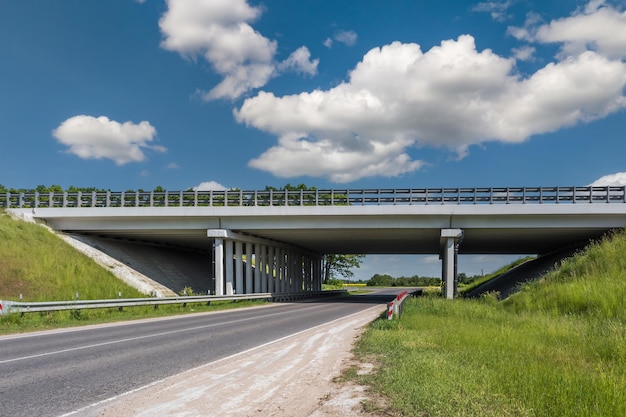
293, 377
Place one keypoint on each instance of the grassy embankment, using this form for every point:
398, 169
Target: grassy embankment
477, 283
42, 267
556, 348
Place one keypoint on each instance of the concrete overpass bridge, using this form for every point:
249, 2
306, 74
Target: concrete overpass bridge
260, 241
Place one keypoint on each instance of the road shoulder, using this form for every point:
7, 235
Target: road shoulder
289, 377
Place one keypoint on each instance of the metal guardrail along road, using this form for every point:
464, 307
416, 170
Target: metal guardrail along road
339, 197
10, 307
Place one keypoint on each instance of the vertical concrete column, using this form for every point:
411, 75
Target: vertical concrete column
239, 289
309, 274
296, 269
319, 265
276, 269
270, 269
285, 277
283, 270
304, 273
300, 273
257, 268
289, 268
263, 268
449, 243
228, 267
218, 257
249, 277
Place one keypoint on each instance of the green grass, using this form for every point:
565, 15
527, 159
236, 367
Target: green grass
500, 271
42, 267
556, 348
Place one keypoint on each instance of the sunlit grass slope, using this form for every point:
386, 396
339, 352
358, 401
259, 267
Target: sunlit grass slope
42, 267
557, 348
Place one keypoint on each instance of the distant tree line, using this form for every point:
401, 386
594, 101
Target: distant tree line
384, 280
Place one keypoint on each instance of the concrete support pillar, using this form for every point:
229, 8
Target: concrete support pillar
239, 288
277, 253
263, 266
300, 284
296, 269
249, 277
450, 238
285, 278
245, 264
228, 267
281, 270
320, 274
257, 268
271, 262
218, 257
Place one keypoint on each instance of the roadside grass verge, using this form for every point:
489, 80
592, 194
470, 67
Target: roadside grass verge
17, 323
556, 348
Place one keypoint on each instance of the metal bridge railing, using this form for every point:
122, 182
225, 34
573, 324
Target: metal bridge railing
338, 197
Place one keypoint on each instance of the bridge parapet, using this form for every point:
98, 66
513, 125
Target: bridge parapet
333, 197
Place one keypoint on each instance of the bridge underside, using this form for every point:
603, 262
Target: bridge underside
281, 238
378, 241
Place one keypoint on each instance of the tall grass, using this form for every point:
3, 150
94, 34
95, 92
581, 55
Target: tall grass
557, 348
506, 268
42, 267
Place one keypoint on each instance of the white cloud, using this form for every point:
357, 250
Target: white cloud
452, 96
526, 33
220, 32
209, 186
597, 26
524, 53
300, 61
347, 37
617, 179
172, 165
497, 10
98, 137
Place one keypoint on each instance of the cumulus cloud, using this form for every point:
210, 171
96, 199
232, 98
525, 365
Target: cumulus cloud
101, 138
209, 186
220, 32
617, 179
597, 26
399, 97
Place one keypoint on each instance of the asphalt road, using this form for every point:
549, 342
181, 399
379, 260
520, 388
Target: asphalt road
59, 372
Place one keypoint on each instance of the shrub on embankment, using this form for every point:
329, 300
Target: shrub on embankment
42, 267
556, 348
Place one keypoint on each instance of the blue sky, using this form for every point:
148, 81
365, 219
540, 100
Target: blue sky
127, 94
